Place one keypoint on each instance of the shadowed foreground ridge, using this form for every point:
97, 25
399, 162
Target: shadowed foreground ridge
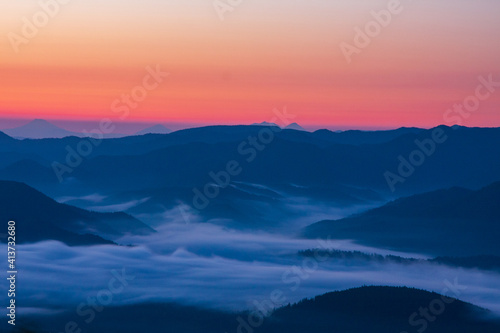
379, 309
365, 309
450, 222
41, 218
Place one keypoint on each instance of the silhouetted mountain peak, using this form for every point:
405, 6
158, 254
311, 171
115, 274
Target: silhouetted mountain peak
41, 124
265, 123
156, 129
295, 126
39, 121
39, 129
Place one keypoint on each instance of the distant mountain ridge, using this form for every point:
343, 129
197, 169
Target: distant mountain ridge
358, 137
39, 129
292, 126
295, 126
265, 123
157, 129
42, 129
322, 161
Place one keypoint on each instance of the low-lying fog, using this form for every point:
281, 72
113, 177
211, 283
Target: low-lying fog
208, 265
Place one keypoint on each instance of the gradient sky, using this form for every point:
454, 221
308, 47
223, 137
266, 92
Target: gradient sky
264, 55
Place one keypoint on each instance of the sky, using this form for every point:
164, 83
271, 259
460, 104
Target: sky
235, 64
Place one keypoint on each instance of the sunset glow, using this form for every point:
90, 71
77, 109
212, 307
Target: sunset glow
263, 55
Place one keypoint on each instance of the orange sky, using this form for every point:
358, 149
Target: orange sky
262, 56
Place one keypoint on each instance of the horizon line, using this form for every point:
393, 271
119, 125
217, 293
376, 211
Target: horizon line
191, 125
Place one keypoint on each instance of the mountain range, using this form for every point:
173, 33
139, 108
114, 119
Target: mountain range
288, 180
43, 129
330, 168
